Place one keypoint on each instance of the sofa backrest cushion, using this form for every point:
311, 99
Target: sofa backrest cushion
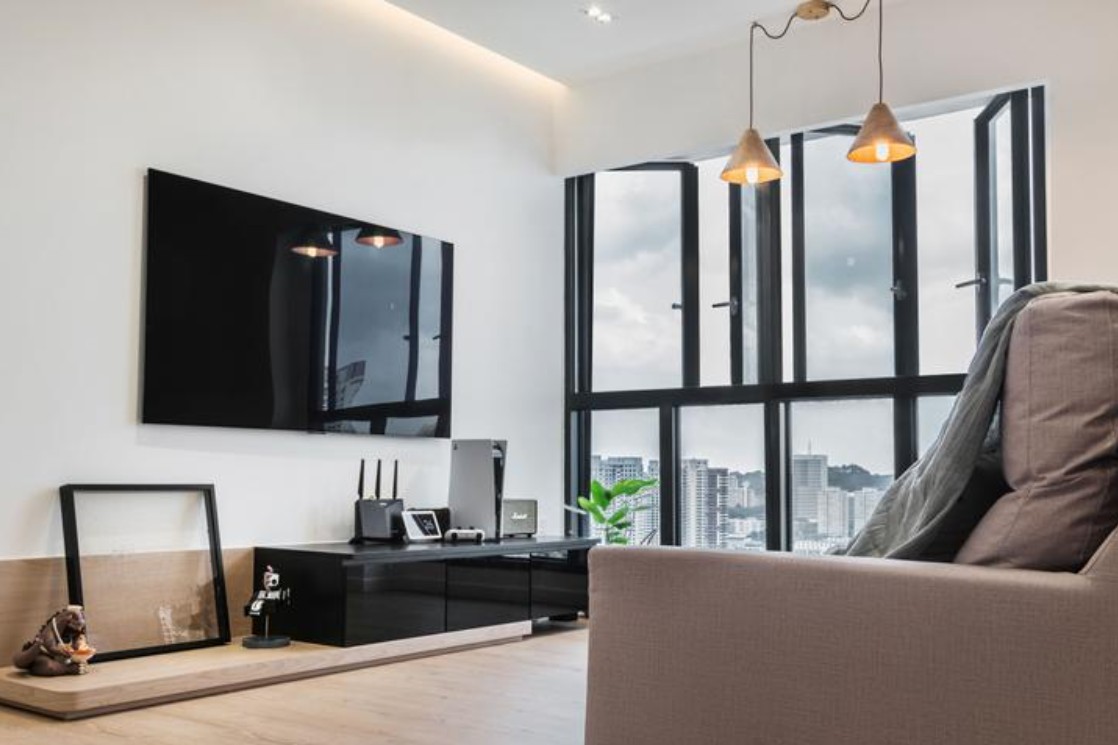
1059, 438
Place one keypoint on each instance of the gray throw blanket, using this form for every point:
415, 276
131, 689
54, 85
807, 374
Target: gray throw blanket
912, 509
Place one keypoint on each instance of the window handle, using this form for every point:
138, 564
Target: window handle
677, 306
979, 280
732, 304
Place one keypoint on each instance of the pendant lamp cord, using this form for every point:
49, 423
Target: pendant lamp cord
842, 14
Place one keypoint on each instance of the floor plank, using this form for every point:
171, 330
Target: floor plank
525, 693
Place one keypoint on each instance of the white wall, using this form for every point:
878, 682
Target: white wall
348, 105
826, 72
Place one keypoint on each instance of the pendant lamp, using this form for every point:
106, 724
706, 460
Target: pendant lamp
314, 244
752, 162
379, 237
881, 138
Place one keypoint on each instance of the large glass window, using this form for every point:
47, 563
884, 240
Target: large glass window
716, 302
624, 445
842, 460
848, 239
931, 415
945, 225
638, 337
774, 356
722, 477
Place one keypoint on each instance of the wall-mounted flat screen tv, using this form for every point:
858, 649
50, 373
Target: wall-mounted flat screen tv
260, 313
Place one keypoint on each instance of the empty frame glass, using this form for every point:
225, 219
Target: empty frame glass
145, 561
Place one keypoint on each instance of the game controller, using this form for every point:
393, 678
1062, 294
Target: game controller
456, 535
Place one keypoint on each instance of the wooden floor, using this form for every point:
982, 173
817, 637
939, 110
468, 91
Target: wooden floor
522, 693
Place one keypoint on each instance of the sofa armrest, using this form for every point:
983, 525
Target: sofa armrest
716, 647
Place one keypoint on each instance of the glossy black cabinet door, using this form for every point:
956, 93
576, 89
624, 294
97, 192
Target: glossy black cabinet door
394, 601
488, 591
559, 583
317, 596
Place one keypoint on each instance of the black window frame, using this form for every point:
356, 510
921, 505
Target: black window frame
771, 391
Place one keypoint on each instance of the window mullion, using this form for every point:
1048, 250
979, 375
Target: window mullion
906, 304
799, 272
669, 476
737, 295
1040, 194
690, 273
983, 203
1022, 227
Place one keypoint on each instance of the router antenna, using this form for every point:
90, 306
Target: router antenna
377, 485
361, 481
395, 475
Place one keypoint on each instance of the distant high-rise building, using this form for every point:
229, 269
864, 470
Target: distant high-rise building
715, 528
613, 469
832, 514
703, 501
646, 524
737, 490
862, 504
809, 484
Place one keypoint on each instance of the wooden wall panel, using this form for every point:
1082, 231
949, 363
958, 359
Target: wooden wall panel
31, 590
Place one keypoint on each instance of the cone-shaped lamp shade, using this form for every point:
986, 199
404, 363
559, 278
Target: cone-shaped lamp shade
881, 139
752, 162
315, 244
379, 237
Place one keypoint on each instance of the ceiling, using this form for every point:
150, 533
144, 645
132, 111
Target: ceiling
556, 38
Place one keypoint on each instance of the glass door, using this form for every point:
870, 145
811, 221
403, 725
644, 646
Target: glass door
1007, 133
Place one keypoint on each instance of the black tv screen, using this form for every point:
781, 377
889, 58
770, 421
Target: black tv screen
260, 313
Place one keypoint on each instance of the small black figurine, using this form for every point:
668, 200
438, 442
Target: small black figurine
262, 605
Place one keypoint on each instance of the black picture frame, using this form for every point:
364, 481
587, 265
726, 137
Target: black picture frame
69, 494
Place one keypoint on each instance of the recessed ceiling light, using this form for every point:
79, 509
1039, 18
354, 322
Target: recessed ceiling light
596, 13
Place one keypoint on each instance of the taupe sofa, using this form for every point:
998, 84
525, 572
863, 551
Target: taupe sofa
711, 647
776, 649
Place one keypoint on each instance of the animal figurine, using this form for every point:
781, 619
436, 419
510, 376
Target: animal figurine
60, 647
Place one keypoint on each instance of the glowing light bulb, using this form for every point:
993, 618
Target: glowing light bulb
752, 175
881, 152
594, 12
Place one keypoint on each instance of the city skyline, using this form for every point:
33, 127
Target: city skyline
725, 508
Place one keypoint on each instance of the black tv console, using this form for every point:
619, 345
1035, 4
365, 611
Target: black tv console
346, 595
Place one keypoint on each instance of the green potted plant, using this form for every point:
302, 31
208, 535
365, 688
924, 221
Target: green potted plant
612, 508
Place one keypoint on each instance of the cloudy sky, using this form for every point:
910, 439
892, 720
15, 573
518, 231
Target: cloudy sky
637, 336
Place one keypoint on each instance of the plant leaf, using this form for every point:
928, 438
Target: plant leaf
592, 509
618, 516
632, 486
